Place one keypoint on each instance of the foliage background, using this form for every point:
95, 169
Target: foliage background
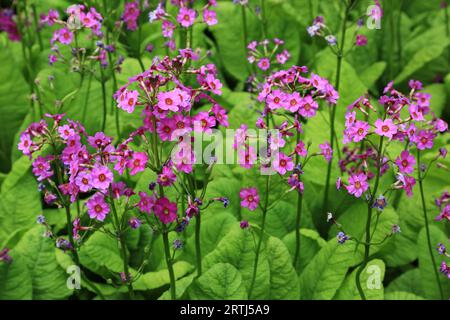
412, 43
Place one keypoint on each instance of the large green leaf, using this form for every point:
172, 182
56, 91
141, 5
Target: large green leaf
157, 279
238, 249
408, 281
283, 278
371, 282
426, 267
325, 273
48, 278
14, 105
15, 280
20, 202
401, 295
221, 282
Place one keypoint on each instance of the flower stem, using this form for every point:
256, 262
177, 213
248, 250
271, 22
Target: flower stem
427, 228
340, 56
369, 220
258, 248
299, 215
122, 246
165, 236
198, 252
102, 80
245, 34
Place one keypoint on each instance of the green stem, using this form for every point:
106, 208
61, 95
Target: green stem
447, 28
263, 17
340, 56
369, 219
122, 245
86, 100
102, 80
245, 34
36, 24
258, 248
165, 236
198, 253
139, 54
299, 215
427, 228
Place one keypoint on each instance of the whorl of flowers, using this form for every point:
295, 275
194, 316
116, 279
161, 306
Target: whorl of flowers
185, 18
264, 53
403, 120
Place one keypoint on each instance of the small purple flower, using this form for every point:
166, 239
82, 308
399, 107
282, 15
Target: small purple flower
4, 256
395, 229
380, 203
244, 224
342, 237
177, 244
441, 248
134, 223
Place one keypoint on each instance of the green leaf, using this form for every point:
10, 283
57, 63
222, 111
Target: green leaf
427, 270
157, 279
221, 282
14, 105
325, 273
401, 295
283, 278
371, 281
408, 281
15, 280
48, 278
310, 244
371, 74
181, 287
20, 201
238, 249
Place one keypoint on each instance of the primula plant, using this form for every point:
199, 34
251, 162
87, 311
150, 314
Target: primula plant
224, 150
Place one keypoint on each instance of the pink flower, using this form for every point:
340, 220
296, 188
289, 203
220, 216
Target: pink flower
65, 36
97, 207
165, 210
424, 139
326, 151
146, 202
440, 125
167, 29
203, 122
83, 181
415, 113
184, 158
407, 183
283, 163
220, 114
169, 100
359, 130
275, 100
101, 177
209, 17
137, 162
264, 64
385, 128
99, 140
308, 107
186, 17
25, 144
405, 162
181, 125
42, 168
250, 198
165, 129
166, 177
445, 213
300, 149
213, 84
65, 132
246, 157
357, 184
361, 40
293, 101
128, 100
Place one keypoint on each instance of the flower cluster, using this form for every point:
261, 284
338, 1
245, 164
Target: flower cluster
443, 203
403, 122
185, 18
131, 14
263, 56
8, 25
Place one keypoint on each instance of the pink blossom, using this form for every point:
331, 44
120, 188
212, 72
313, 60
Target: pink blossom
308, 107
300, 149
213, 84
42, 168
327, 152
405, 162
146, 202
101, 177
25, 144
385, 128
128, 99
361, 40
165, 129
137, 162
186, 17
424, 139
275, 100
83, 181
246, 157
165, 210
415, 113
293, 101
445, 213
167, 29
264, 64
203, 122
65, 132
357, 184
166, 178
169, 100
65, 36
97, 207
209, 17
283, 163
359, 130
220, 115
250, 198
407, 183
